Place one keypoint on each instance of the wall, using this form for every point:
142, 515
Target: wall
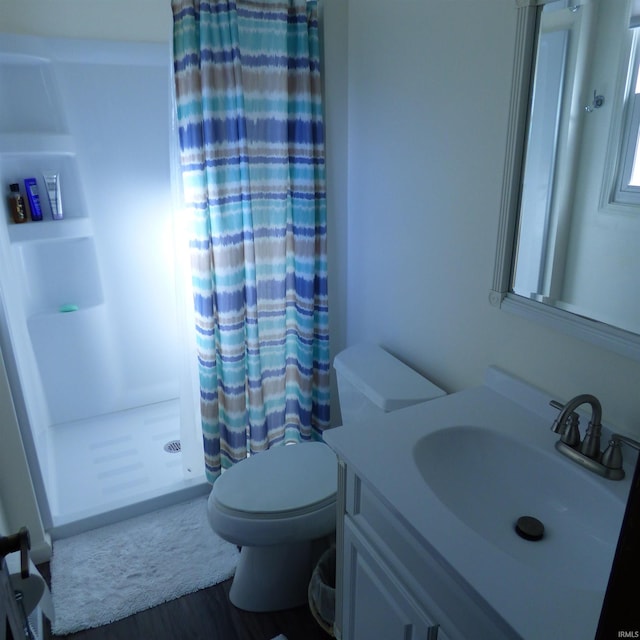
334, 20
428, 98
4, 523
139, 20
18, 506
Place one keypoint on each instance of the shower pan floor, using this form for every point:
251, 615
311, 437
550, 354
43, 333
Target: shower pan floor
115, 466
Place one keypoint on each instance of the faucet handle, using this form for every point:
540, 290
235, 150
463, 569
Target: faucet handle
612, 456
569, 429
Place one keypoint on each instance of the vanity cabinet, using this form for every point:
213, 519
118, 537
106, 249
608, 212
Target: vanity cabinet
379, 606
391, 584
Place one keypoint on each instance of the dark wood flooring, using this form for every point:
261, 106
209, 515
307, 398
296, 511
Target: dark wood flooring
203, 615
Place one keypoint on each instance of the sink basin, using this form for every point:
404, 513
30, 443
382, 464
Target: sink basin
488, 480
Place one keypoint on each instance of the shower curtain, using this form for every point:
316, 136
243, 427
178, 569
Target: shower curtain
251, 138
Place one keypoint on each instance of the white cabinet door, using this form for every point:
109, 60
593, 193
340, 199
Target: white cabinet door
377, 606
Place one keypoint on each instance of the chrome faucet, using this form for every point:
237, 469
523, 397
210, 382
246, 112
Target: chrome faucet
587, 452
567, 425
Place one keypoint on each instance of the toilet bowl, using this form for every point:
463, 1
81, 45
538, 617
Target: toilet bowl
279, 505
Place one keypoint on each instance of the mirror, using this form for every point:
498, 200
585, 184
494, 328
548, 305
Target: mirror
573, 216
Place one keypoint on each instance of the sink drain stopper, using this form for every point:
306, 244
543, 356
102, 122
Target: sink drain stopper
529, 528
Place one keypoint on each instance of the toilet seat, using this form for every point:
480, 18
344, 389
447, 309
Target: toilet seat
268, 485
284, 494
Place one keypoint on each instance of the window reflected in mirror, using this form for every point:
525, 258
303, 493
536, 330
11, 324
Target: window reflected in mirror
628, 174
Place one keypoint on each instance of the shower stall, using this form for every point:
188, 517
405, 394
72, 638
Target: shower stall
93, 315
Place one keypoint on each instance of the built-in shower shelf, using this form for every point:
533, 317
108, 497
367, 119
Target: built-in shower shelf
49, 230
39, 144
31, 155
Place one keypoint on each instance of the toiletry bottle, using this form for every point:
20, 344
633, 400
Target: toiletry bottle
33, 199
16, 204
52, 183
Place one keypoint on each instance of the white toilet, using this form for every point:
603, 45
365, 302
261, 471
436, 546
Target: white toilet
280, 505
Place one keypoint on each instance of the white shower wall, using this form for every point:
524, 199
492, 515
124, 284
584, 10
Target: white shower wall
85, 375
119, 116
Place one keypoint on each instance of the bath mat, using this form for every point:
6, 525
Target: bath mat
110, 573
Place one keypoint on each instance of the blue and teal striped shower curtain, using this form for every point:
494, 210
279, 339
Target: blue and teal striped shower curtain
251, 137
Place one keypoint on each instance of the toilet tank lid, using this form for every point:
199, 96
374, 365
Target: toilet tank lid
383, 379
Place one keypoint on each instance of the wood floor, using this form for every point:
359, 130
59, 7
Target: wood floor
203, 615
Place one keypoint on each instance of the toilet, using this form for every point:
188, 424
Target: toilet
285, 526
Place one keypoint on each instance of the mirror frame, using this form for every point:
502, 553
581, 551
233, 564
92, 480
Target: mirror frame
616, 340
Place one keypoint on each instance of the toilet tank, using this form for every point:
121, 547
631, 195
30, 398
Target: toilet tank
372, 382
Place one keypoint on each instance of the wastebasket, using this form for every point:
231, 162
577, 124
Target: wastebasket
322, 590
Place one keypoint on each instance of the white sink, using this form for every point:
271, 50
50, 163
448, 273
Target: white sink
488, 479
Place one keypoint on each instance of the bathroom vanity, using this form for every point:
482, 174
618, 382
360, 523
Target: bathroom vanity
427, 502
395, 587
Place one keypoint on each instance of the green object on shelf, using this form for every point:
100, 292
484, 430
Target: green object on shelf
68, 308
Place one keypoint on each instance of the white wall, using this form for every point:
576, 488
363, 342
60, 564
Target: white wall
18, 507
334, 19
428, 102
138, 20
4, 523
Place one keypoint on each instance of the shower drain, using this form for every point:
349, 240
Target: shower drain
173, 446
